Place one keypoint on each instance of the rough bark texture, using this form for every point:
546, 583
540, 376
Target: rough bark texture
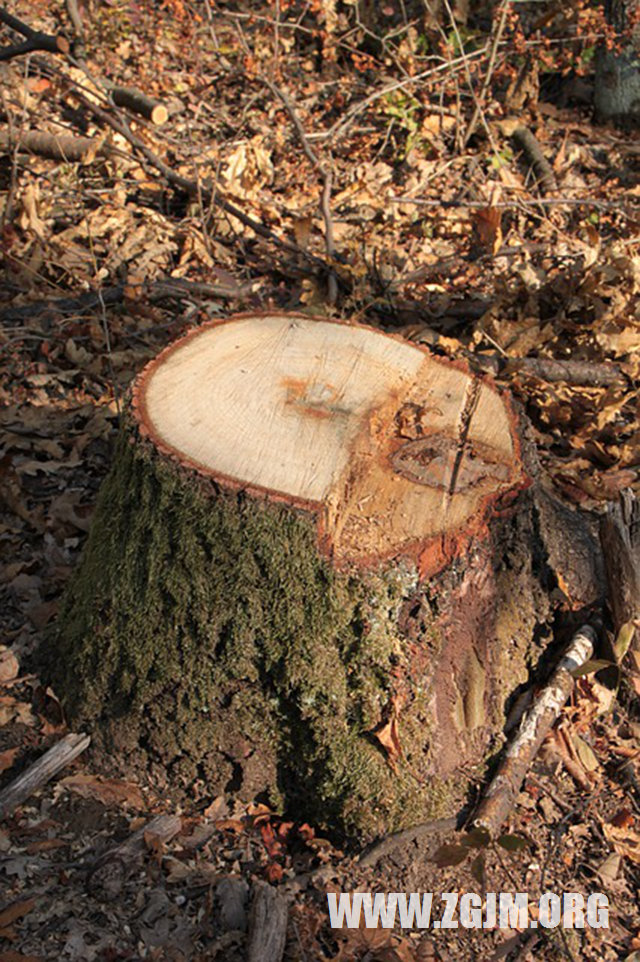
617, 87
210, 643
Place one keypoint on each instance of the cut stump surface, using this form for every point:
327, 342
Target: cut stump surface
389, 446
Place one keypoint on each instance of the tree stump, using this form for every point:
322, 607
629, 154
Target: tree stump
617, 74
310, 575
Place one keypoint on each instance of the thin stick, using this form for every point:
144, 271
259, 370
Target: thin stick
192, 187
327, 178
510, 204
487, 80
42, 771
472, 91
503, 789
340, 127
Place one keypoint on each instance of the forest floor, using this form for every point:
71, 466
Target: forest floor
440, 222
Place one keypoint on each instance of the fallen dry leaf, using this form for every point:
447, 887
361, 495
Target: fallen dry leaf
9, 665
16, 911
390, 741
108, 791
7, 758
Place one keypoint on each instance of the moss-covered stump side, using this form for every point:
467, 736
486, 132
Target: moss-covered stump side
206, 643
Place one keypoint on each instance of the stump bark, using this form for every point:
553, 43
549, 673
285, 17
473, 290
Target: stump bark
617, 75
312, 575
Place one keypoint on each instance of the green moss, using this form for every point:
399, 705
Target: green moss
203, 633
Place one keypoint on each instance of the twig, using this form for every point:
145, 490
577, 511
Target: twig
371, 856
341, 126
192, 187
558, 755
42, 771
327, 178
489, 74
463, 426
510, 204
478, 105
503, 789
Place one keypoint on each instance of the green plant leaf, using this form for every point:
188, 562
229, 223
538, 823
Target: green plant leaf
476, 838
477, 869
623, 641
513, 843
594, 664
450, 855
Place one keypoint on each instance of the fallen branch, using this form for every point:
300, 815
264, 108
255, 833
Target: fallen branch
620, 541
583, 373
267, 924
178, 288
205, 192
54, 146
35, 40
542, 168
110, 871
550, 369
500, 797
42, 771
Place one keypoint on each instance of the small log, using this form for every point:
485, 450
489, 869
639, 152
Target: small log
543, 170
231, 895
133, 99
267, 924
503, 789
112, 869
42, 771
83, 149
620, 541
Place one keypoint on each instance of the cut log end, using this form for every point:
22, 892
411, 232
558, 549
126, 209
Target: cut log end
393, 450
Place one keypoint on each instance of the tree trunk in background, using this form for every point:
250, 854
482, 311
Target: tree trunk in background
617, 82
314, 575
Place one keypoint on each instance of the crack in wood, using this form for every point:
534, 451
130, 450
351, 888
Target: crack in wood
426, 461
